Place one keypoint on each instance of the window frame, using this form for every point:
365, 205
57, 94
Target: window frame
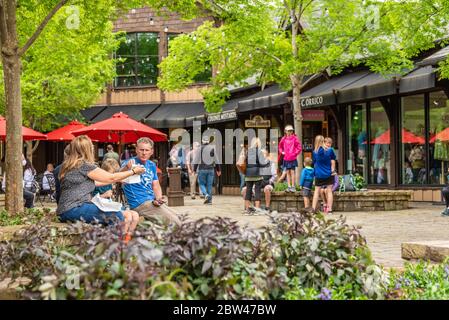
135, 62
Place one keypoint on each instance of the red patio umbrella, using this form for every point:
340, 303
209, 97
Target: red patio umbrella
120, 128
442, 136
27, 133
65, 133
407, 137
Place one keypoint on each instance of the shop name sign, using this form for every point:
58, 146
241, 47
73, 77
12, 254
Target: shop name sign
258, 122
222, 116
312, 101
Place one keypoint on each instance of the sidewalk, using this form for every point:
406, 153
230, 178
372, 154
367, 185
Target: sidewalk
384, 231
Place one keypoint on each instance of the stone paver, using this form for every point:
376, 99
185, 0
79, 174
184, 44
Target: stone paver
384, 231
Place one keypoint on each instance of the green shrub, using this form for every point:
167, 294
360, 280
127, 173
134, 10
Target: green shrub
316, 251
421, 281
297, 256
29, 216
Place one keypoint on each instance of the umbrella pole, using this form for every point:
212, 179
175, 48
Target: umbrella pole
120, 147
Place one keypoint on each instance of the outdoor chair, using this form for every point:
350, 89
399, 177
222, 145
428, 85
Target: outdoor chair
50, 193
119, 194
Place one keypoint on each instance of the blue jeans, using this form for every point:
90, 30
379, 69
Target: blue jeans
242, 180
206, 181
90, 213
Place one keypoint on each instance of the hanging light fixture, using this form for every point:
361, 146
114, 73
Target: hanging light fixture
151, 21
158, 39
165, 29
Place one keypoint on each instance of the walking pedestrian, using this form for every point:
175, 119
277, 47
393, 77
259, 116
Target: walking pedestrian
206, 168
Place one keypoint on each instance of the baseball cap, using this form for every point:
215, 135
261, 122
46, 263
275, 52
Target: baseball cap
289, 128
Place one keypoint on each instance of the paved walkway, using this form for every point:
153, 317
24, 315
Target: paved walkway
384, 231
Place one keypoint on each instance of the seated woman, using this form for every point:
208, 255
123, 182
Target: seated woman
77, 178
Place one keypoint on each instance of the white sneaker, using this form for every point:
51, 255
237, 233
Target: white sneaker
260, 212
249, 212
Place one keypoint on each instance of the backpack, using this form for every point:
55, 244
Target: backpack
347, 183
336, 184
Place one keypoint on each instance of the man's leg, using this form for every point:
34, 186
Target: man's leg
150, 211
202, 182
192, 179
210, 183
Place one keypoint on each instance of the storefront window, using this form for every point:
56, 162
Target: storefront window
379, 144
413, 140
439, 138
139, 55
357, 136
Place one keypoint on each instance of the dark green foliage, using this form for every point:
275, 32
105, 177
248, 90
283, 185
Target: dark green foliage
294, 257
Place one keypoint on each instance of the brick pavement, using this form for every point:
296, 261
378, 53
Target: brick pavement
384, 231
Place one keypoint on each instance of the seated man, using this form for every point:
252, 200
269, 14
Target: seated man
269, 174
145, 197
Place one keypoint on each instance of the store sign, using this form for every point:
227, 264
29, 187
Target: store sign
312, 101
258, 122
221, 116
313, 115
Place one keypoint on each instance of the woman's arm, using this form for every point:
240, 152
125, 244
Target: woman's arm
101, 184
103, 176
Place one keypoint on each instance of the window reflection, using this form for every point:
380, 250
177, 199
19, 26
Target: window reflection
380, 145
357, 160
439, 138
413, 140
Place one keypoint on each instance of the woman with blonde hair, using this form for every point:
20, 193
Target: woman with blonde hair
324, 165
78, 177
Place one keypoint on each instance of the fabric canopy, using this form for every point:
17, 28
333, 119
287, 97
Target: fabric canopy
441, 136
120, 128
27, 133
65, 133
407, 137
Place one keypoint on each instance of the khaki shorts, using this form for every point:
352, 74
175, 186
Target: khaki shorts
150, 211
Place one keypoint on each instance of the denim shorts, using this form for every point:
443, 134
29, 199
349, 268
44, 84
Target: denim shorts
290, 165
89, 213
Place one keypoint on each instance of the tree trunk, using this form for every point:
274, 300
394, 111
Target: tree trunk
11, 75
31, 148
297, 113
296, 86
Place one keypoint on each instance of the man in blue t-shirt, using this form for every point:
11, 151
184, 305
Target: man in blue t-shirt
145, 197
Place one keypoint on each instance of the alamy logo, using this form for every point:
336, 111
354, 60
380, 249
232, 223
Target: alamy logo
73, 20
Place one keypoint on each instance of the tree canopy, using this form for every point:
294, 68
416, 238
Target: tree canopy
258, 38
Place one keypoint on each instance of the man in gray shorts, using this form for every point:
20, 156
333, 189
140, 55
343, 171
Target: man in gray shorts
145, 197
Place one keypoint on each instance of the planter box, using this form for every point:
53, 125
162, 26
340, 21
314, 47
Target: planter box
348, 201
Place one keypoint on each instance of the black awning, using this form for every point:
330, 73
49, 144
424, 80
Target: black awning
136, 112
420, 79
92, 112
228, 112
324, 93
373, 85
270, 97
177, 115
435, 58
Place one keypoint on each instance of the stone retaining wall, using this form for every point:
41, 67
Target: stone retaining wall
348, 201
